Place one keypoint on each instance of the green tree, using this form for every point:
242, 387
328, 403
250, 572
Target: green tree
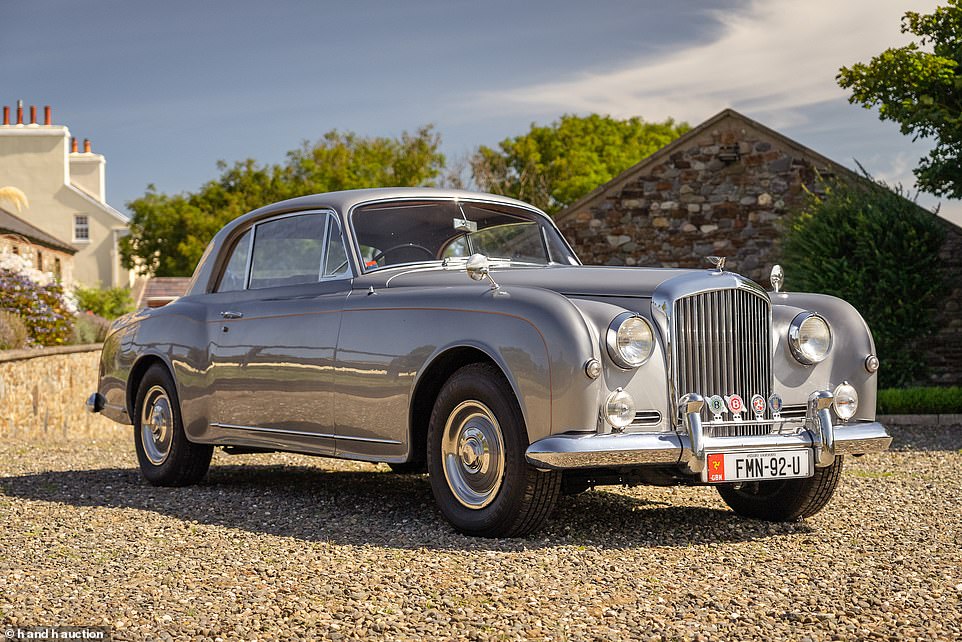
553, 166
878, 250
168, 234
919, 86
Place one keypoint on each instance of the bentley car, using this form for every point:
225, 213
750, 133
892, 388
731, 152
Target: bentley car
458, 334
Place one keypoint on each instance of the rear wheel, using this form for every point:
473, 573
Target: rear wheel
166, 456
786, 500
476, 444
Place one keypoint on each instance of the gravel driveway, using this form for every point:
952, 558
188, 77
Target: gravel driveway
289, 547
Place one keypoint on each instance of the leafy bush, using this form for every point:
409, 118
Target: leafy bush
108, 303
878, 250
13, 331
90, 328
43, 308
919, 401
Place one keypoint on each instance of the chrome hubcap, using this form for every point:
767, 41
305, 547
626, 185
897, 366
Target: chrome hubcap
472, 452
156, 425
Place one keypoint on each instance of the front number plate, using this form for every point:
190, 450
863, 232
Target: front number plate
780, 464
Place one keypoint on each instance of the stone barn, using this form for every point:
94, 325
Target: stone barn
723, 189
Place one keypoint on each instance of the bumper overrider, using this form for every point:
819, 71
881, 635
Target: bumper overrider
688, 447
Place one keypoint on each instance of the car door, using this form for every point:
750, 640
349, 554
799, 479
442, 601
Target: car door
273, 328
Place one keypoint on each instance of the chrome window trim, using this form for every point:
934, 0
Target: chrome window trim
329, 213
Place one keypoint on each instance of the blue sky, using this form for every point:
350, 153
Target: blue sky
164, 90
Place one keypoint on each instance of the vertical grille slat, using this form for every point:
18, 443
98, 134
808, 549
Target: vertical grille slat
723, 340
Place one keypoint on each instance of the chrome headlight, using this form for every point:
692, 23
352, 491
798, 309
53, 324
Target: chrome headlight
846, 401
630, 340
810, 338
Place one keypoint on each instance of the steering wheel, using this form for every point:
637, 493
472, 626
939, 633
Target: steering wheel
401, 246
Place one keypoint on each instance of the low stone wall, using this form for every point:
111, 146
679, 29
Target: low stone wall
42, 394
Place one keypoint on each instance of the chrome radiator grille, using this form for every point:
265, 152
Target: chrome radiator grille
722, 345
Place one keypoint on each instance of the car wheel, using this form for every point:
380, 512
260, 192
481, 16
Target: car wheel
166, 456
787, 500
476, 458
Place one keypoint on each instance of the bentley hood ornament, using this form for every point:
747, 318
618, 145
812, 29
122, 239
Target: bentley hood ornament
717, 261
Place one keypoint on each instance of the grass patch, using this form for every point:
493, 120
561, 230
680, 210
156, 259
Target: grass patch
920, 401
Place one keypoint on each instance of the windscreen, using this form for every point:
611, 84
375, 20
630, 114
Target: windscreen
415, 232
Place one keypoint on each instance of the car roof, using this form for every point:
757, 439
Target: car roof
343, 201
340, 202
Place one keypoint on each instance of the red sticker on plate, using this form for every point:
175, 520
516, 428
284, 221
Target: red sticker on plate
716, 467
736, 405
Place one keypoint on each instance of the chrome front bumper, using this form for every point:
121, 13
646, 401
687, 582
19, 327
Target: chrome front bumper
689, 448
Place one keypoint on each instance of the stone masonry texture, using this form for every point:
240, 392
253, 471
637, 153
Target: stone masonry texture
43, 395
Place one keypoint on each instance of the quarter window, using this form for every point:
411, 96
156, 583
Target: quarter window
288, 251
81, 227
236, 270
336, 263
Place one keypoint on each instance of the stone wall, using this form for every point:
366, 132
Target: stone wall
42, 394
693, 204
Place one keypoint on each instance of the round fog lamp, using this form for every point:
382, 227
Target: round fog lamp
619, 409
846, 401
871, 363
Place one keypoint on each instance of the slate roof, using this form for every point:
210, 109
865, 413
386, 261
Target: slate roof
12, 224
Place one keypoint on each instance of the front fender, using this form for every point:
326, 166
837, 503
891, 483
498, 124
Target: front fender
852, 343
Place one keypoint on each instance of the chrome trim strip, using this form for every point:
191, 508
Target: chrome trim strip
302, 433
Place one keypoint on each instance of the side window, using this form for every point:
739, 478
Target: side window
236, 270
288, 251
336, 264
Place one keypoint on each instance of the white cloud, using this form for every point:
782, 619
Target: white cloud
770, 59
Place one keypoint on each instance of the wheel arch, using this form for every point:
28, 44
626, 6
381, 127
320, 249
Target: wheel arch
429, 384
137, 372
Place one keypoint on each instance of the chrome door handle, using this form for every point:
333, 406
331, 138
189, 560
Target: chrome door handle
231, 315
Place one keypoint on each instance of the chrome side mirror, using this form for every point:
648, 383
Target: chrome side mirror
477, 268
777, 278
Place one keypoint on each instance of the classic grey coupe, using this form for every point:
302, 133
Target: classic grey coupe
458, 333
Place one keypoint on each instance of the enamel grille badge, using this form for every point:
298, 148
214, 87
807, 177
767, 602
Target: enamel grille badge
758, 406
775, 403
717, 406
736, 406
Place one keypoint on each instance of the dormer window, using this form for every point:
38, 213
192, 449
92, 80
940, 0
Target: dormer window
81, 228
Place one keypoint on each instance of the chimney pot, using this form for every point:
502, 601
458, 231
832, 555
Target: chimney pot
73, 145
86, 145
6, 115
19, 112
33, 114
47, 117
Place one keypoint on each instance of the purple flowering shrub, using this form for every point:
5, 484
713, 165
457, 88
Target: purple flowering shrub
42, 307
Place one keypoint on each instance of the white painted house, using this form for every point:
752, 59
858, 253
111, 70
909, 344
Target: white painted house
65, 190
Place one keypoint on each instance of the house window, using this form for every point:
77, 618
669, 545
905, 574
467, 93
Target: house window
57, 268
39, 260
81, 227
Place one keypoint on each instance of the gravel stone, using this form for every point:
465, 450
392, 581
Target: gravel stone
281, 547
